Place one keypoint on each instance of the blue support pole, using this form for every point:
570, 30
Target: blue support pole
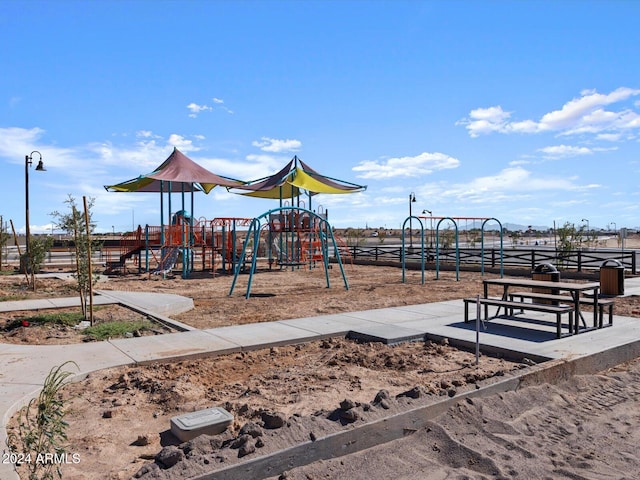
254, 233
408, 219
501, 248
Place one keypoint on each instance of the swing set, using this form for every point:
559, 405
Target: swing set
425, 251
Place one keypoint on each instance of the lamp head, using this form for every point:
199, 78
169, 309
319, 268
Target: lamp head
412, 197
40, 167
426, 211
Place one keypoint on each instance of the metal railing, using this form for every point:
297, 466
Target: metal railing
579, 260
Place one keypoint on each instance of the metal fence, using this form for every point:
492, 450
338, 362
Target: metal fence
580, 260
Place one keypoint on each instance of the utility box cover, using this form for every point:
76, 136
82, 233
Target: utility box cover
210, 421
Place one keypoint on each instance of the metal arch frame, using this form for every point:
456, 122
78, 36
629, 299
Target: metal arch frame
482, 247
253, 234
438, 248
408, 219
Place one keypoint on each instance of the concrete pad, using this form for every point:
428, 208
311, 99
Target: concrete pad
386, 315
75, 301
387, 334
327, 325
174, 346
36, 304
34, 362
261, 335
624, 331
162, 303
439, 309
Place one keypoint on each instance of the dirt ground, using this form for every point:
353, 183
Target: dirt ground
119, 419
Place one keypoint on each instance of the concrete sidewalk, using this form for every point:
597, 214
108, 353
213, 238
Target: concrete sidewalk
24, 367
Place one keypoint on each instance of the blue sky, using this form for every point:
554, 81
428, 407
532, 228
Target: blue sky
528, 111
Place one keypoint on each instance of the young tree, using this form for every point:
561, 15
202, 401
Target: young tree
570, 239
4, 238
41, 434
75, 224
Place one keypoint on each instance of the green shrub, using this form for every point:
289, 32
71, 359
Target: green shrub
70, 319
102, 331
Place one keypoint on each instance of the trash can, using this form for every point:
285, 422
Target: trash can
546, 272
612, 277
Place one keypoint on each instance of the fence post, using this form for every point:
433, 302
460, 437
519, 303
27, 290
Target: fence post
579, 260
533, 259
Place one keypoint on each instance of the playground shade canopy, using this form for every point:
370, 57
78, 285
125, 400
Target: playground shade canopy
177, 173
146, 184
294, 178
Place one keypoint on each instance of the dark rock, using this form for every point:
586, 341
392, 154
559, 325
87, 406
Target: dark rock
380, 396
143, 440
169, 456
349, 416
251, 428
241, 441
415, 392
272, 420
347, 404
246, 449
145, 469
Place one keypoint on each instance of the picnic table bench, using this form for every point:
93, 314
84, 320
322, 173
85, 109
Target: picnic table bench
510, 305
603, 303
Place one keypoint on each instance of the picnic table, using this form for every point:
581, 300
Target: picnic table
575, 291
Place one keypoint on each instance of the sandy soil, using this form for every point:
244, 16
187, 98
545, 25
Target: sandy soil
119, 418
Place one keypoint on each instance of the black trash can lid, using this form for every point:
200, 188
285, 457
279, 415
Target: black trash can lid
545, 268
615, 263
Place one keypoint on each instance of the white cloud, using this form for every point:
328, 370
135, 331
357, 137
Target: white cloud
485, 120
509, 185
422, 164
274, 145
564, 151
15, 141
609, 137
195, 109
182, 143
585, 114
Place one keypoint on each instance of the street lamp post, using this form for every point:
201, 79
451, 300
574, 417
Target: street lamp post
28, 160
430, 226
588, 229
412, 199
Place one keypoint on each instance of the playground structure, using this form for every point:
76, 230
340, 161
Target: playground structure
298, 236
184, 240
290, 238
426, 252
211, 244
